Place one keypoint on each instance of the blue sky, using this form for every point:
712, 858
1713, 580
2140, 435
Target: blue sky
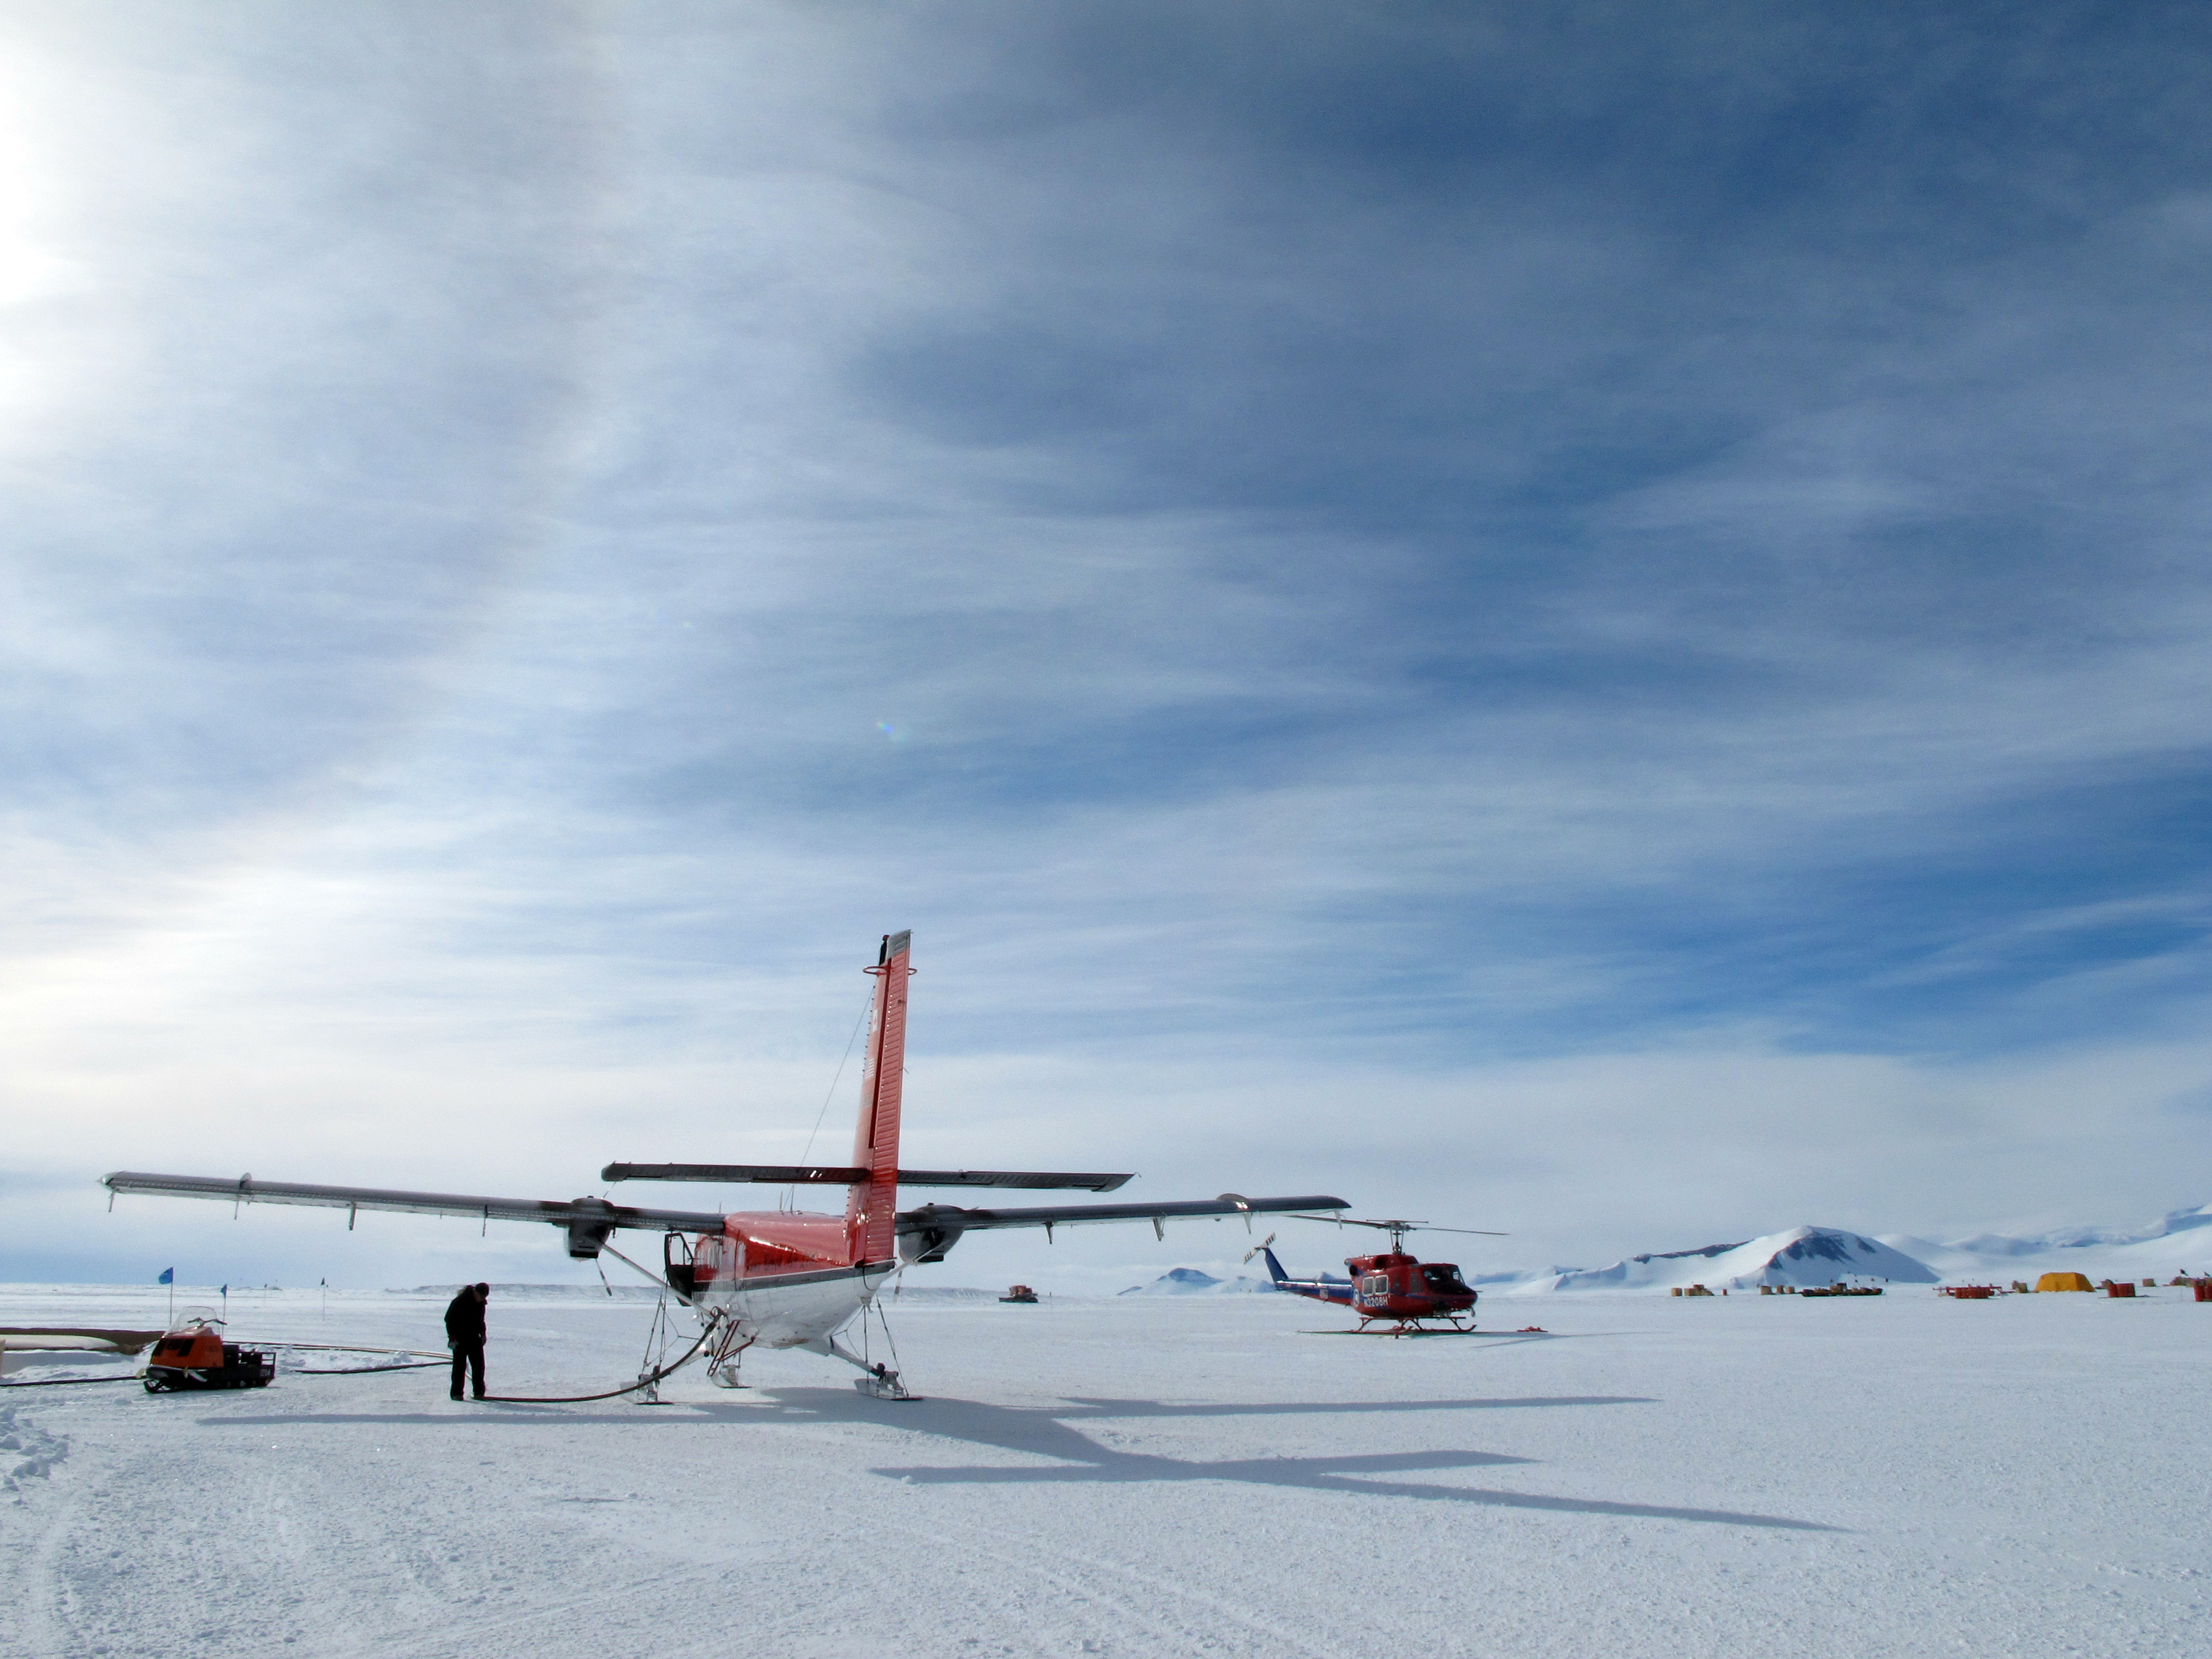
1585, 620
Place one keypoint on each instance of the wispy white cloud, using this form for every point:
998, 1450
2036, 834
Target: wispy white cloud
1347, 568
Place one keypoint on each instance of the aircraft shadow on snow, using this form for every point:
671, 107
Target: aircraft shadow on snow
1050, 1431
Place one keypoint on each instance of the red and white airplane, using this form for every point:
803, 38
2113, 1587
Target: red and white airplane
784, 1279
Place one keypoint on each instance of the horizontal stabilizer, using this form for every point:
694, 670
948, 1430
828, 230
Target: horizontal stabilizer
932, 1217
778, 1175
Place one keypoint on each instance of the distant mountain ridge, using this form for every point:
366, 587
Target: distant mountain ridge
1189, 1281
1801, 1257
1676, 1256
2174, 1222
2178, 1242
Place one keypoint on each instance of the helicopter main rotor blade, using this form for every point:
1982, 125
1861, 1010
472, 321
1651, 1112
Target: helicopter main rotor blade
1401, 1226
1352, 1221
1478, 1233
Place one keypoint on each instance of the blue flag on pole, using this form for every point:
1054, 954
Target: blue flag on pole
169, 1276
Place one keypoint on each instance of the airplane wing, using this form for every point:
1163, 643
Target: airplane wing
787, 1174
587, 1221
925, 1234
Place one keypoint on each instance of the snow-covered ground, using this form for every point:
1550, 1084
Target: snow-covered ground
1754, 1475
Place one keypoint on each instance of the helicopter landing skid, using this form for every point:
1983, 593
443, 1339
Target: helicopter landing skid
1445, 1326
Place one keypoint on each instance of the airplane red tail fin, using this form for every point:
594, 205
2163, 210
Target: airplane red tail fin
872, 1212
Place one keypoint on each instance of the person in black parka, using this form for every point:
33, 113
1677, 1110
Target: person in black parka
464, 1335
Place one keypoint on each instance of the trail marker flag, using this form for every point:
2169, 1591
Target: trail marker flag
169, 1276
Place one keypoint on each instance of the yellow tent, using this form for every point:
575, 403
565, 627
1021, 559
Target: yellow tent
2064, 1282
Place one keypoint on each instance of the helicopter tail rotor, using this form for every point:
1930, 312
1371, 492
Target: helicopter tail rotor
1265, 1248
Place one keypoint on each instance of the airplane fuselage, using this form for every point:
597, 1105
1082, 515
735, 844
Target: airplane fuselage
781, 1279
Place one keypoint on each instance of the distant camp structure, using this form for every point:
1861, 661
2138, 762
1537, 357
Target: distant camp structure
2072, 1281
1018, 1293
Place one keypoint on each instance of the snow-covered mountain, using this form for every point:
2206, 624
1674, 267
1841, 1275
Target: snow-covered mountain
1189, 1281
2180, 1240
1801, 1257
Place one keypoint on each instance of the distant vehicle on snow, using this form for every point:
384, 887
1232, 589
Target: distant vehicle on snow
193, 1355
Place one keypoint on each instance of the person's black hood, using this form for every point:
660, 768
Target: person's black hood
464, 1316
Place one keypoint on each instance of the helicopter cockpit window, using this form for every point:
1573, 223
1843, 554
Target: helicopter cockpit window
1441, 1276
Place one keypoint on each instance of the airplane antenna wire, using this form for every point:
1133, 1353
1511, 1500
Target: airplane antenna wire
791, 1193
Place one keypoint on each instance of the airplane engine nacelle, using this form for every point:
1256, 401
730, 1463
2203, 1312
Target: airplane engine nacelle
925, 1235
586, 1237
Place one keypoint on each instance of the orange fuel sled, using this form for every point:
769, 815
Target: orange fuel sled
196, 1356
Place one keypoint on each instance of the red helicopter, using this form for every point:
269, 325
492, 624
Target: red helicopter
780, 1279
1389, 1287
